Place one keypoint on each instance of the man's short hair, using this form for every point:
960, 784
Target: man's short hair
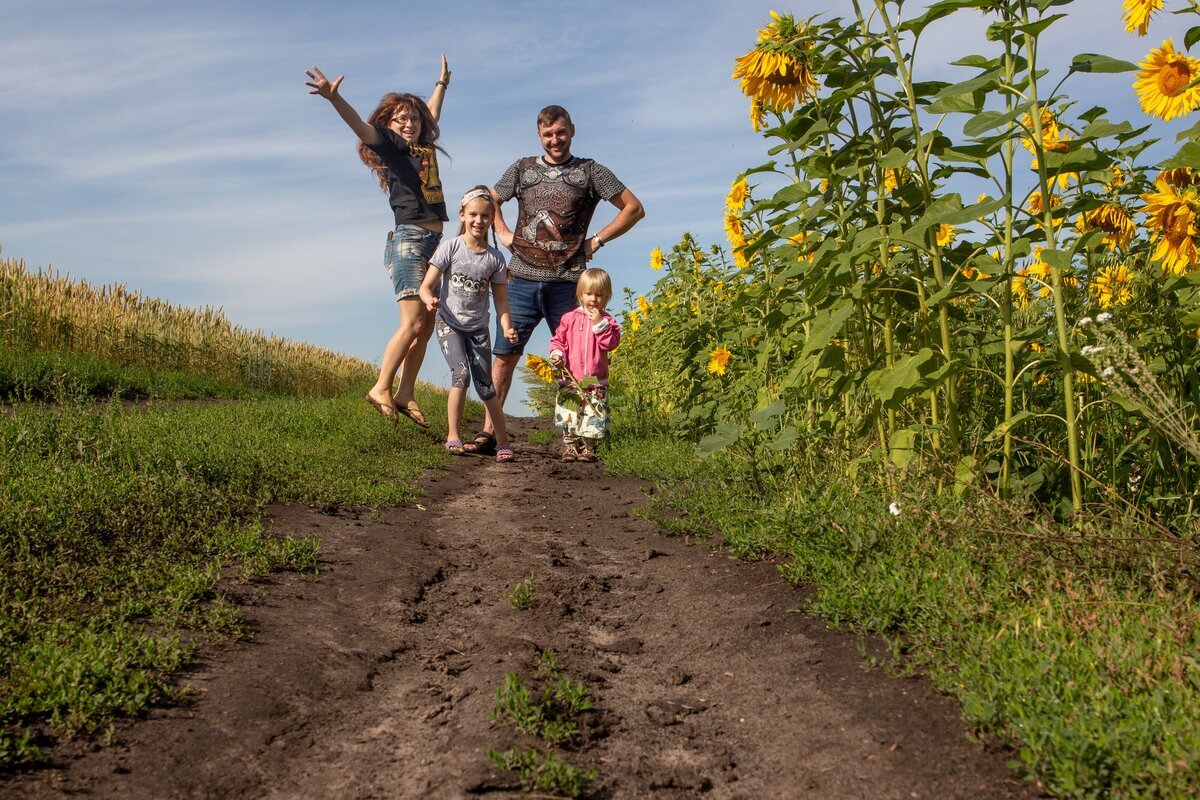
552, 114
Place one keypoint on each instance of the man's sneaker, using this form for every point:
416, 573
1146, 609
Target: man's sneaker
586, 454
570, 453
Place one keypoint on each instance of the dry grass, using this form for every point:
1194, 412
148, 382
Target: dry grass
48, 311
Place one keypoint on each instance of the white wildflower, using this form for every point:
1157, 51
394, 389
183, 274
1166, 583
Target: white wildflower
1090, 350
1107, 373
894, 509
1103, 317
1084, 322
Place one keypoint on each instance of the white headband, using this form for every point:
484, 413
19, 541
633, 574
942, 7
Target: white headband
471, 195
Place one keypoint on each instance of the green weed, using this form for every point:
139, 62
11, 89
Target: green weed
543, 773
550, 713
520, 594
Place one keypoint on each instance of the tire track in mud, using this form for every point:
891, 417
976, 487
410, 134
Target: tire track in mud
377, 679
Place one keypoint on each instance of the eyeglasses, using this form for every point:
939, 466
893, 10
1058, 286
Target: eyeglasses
401, 119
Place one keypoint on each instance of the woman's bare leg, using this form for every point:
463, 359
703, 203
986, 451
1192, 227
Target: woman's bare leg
412, 325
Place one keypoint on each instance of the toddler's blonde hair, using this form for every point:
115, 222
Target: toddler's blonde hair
594, 280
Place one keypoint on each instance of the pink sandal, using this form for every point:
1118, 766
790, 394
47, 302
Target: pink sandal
504, 455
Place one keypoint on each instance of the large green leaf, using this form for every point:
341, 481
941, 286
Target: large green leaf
786, 439
1008, 426
990, 120
726, 434
893, 385
763, 416
826, 325
1188, 156
901, 444
1092, 62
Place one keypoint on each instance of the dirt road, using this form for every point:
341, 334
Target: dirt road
377, 679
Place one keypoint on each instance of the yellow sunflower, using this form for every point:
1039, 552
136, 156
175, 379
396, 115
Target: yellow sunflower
758, 114
541, 367
1054, 139
945, 234
804, 253
1137, 14
1020, 289
739, 193
1180, 177
1037, 208
644, 306
733, 230
635, 321
776, 75
1113, 220
1117, 179
1162, 83
1039, 271
891, 179
1172, 223
656, 258
718, 359
1113, 286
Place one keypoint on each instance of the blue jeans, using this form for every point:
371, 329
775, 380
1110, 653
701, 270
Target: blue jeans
406, 257
529, 302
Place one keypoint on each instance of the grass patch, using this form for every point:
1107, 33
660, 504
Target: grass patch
60, 376
116, 527
1080, 646
550, 712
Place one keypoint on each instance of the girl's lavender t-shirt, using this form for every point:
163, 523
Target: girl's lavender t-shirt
466, 279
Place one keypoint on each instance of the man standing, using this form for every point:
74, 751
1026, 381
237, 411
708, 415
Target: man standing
556, 196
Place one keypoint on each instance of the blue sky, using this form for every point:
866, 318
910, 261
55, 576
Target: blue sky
174, 147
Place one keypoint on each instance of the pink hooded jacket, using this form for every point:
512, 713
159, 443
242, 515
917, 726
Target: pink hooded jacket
584, 346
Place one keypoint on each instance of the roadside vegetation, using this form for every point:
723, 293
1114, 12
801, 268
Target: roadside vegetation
124, 529
973, 426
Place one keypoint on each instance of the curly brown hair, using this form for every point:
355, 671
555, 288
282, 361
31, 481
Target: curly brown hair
382, 116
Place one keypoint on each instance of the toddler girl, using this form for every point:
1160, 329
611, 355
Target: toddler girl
585, 337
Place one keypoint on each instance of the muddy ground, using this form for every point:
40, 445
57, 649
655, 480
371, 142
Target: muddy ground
377, 679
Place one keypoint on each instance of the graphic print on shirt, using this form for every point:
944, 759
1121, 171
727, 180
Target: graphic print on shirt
431, 178
556, 206
469, 289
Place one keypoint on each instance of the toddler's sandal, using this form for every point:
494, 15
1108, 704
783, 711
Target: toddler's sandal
504, 455
454, 446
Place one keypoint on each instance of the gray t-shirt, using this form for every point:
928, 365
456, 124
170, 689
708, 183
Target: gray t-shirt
466, 276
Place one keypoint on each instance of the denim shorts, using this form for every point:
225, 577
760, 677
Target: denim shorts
530, 302
406, 257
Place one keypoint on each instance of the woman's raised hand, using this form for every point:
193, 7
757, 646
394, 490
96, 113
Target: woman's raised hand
444, 78
323, 87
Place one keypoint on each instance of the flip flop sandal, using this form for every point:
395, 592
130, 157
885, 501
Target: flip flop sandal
383, 408
454, 446
484, 445
413, 412
504, 455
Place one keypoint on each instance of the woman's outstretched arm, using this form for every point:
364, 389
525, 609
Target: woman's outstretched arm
439, 92
329, 90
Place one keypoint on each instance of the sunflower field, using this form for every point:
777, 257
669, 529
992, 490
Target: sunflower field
975, 283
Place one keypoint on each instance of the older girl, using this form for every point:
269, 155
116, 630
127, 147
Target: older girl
469, 270
399, 143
